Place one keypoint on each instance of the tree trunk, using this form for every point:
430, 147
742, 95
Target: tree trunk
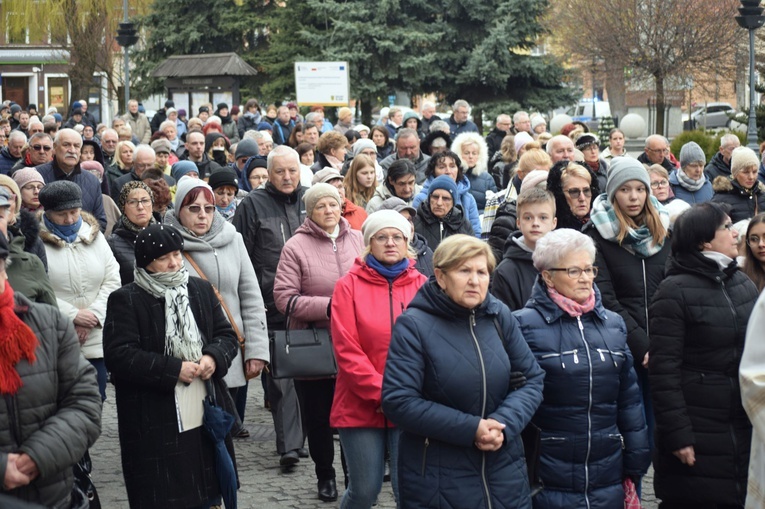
478, 119
617, 89
366, 111
659, 104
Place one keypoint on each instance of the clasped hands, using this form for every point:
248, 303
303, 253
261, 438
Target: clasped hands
489, 436
84, 322
203, 369
20, 470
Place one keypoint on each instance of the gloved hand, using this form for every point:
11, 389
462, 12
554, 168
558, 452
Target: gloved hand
517, 380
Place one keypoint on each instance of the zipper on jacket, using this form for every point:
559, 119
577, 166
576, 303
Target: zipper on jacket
620, 437
471, 323
589, 417
573, 352
390, 304
441, 228
734, 393
601, 351
284, 237
645, 305
425, 455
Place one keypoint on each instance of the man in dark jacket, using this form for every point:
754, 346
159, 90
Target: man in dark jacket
283, 126
408, 147
458, 122
87, 117
160, 116
195, 152
429, 116
495, 137
66, 166
52, 413
267, 218
720, 163
39, 151
657, 152
11, 154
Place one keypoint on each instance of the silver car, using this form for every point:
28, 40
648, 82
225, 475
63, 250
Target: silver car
711, 116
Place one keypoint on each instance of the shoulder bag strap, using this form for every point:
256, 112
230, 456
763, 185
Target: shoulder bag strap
238, 333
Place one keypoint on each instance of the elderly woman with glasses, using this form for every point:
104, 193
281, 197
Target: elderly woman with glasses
135, 203
593, 433
698, 322
574, 187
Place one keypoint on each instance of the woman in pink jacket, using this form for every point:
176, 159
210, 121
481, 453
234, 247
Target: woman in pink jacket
365, 305
321, 252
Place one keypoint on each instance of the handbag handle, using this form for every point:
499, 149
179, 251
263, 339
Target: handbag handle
290, 308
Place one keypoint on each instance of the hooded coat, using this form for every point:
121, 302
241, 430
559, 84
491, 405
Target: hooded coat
698, 320
464, 198
480, 180
424, 255
593, 433
566, 219
515, 275
434, 230
449, 367
743, 204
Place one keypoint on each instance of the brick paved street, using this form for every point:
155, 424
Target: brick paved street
263, 484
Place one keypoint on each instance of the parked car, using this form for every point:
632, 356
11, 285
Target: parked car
709, 116
590, 112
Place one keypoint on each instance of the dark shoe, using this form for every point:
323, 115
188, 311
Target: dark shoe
302, 452
289, 459
327, 490
242, 433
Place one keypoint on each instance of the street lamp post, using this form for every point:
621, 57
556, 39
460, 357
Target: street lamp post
127, 36
751, 18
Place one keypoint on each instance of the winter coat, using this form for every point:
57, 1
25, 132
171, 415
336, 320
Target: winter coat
162, 467
92, 200
360, 340
627, 284
761, 173
602, 172
717, 167
159, 117
114, 172
427, 143
479, 184
140, 126
56, 414
230, 130
427, 121
282, 132
26, 273
464, 127
424, 255
82, 274
420, 165
704, 194
593, 430
122, 244
310, 266
494, 141
566, 219
505, 224
434, 230
383, 192
449, 367
266, 218
384, 152
354, 214
464, 198
222, 257
743, 204
7, 161
698, 321
666, 163
515, 275
28, 227
245, 123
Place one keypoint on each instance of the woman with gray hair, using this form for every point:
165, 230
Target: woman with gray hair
594, 437
689, 183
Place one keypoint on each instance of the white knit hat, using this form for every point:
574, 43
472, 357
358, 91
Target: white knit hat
385, 219
743, 157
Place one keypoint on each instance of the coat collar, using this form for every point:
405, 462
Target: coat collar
550, 311
87, 234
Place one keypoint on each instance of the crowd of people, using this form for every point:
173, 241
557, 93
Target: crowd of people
518, 320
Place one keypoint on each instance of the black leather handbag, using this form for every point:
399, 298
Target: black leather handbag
304, 354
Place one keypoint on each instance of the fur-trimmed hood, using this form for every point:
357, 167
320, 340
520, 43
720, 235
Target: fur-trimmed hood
82, 236
426, 144
724, 184
566, 218
483, 151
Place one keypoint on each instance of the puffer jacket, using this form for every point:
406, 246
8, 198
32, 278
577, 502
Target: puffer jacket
56, 415
26, 274
424, 255
504, 225
266, 218
383, 192
593, 430
122, 244
360, 340
479, 184
248, 122
690, 197
448, 367
83, 275
7, 161
310, 266
384, 152
434, 230
469, 205
627, 284
515, 275
92, 199
717, 167
743, 204
699, 318
221, 255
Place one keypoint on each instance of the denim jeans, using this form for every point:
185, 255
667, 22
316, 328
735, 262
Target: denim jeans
364, 450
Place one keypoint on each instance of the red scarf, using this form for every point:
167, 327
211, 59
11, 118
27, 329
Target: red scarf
572, 307
17, 341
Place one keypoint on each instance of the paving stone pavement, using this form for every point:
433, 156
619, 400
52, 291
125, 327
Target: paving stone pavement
263, 485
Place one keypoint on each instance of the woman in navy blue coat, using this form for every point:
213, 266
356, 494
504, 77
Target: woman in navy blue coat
448, 387
593, 433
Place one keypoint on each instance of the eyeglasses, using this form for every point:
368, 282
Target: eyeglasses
32, 187
196, 209
657, 184
383, 239
754, 240
576, 272
145, 203
575, 193
662, 150
38, 148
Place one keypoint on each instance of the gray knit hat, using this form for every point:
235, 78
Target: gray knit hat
362, 144
692, 153
385, 219
399, 205
624, 169
743, 157
162, 146
246, 148
61, 195
318, 191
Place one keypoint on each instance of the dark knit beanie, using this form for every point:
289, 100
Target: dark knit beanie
154, 241
223, 177
61, 195
443, 182
246, 148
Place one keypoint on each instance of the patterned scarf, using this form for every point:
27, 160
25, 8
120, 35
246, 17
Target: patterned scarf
638, 241
182, 337
571, 307
17, 341
688, 183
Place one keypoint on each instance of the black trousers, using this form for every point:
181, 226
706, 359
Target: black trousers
670, 504
315, 398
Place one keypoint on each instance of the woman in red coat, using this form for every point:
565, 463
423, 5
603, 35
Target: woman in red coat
365, 305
